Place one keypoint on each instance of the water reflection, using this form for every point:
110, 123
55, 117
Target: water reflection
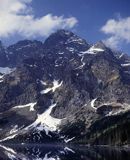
58, 152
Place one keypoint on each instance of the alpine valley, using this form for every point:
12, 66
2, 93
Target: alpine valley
64, 91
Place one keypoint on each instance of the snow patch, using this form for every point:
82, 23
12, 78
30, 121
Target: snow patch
43, 83
8, 138
61, 53
14, 129
92, 50
31, 105
75, 39
70, 49
8, 149
68, 140
13, 133
46, 122
92, 104
56, 85
49, 158
46, 91
121, 55
125, 65
68, 149
28, 45
83, 63
6, 70
12, 155
1, 78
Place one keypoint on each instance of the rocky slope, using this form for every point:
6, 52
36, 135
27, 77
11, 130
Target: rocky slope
64, 90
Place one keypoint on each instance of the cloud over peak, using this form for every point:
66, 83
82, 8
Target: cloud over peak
117, 31
16, 17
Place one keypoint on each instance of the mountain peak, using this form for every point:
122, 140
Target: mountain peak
59, 36
64, 37
63, 32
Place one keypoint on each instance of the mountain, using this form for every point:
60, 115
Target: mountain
64, 90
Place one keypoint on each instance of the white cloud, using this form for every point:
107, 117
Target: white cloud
16, 17
113, 42
117, 30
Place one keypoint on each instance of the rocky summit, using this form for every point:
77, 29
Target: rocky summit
64, 90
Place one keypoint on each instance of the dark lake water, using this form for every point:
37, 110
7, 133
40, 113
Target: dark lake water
59, 152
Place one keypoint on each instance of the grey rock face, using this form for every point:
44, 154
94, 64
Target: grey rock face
87, 83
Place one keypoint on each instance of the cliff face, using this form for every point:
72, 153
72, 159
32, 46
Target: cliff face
64, 89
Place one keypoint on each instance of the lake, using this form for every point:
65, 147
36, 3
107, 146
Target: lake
62, 152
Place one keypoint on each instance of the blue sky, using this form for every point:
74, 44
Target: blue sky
93, 20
